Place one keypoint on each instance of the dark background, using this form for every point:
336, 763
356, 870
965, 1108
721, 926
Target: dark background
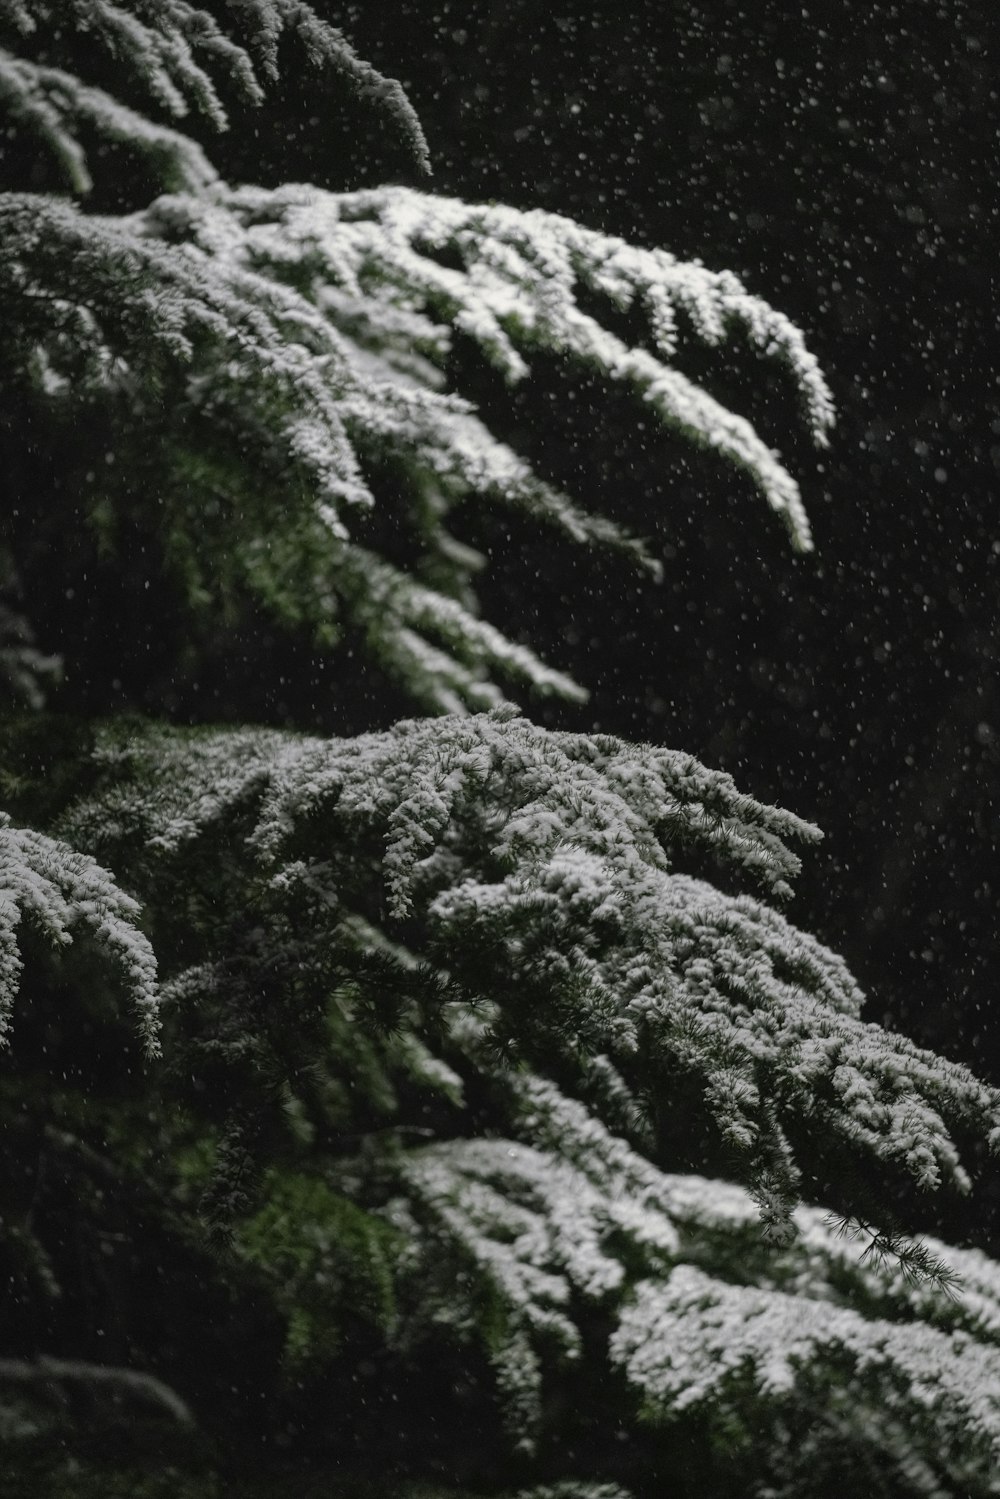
842, 161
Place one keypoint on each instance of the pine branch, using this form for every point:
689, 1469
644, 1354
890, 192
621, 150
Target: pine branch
53, 103
179, 54
887, 1249
298, 341
536, 868
59, 890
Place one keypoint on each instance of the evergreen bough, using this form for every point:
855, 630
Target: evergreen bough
392, 1166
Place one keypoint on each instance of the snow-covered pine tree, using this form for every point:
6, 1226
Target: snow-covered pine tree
393, 1172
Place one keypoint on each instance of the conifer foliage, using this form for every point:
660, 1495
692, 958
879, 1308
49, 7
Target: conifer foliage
395, 1168
284, 356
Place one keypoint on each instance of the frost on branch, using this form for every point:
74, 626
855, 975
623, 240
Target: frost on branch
519, 1244
178, 53
538, 870
56, 890
52, 103
474, 922
275, 362
515, 290
299, 341
535, 1234
696, 1341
